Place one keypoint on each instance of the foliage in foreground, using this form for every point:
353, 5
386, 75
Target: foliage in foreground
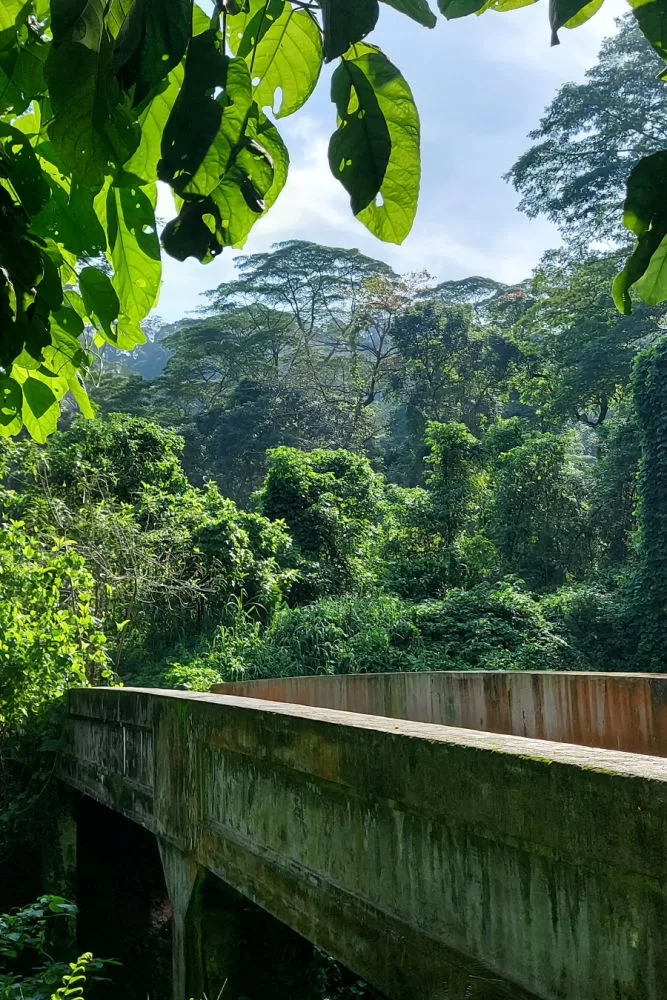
50, 637
28, 970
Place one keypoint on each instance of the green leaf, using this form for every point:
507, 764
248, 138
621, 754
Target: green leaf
283, 48
645, 214
69, 216
268, 136
67, 320
100, 299
570, 12
197, 116
152, 120
135, 249
81, 396
360, 149
151, 42
585, 14
346, 22
21, 74
40, 408
645, 205
65, 355
9, 12
80, 20
11, 406
500, 6
375, 150
651, 16
117, 11
92, 128
652, 286
418, 10
237, 102
20, 166
460, 8
251, 184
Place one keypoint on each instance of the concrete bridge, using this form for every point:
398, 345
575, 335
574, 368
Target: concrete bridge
443, 835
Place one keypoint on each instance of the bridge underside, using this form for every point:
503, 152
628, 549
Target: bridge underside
436, 863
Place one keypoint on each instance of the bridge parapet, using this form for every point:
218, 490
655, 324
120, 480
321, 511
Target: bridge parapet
609, 710
438, 863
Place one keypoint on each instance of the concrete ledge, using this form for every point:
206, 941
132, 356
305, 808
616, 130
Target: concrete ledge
427, 859
613, 711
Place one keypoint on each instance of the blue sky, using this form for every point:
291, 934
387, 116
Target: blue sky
480, 83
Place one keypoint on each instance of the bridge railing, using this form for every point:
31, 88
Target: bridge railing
609, 710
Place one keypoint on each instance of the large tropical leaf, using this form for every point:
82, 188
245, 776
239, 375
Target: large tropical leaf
418, 10
346, 22
135, 249
92, 129
375, 150
283, 49
151, 42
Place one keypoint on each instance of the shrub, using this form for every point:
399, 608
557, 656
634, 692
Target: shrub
599, 625
486, 627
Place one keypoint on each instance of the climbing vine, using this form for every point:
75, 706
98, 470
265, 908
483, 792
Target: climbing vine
650, 394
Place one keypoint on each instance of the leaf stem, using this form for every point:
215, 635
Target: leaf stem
259, 34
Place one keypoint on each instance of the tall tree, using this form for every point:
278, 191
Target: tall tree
591, 134
451, 366
577, 349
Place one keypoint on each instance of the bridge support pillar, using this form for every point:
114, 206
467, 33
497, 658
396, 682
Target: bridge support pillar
180, 875
59, 860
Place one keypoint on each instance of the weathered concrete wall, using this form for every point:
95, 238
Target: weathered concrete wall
616, 711
437, 863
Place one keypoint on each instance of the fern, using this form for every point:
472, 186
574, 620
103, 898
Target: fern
74, 982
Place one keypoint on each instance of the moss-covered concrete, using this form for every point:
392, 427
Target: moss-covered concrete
437, 863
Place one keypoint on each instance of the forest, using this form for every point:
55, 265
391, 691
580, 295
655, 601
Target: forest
335, 468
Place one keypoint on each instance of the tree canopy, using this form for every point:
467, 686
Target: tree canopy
590, 135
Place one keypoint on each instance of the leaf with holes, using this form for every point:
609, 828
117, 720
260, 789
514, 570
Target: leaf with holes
134, 248
375, 150
236, 101
196, 120
255, 176
283, 49
11, 406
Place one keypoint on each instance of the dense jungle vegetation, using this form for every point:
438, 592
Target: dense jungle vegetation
331, 468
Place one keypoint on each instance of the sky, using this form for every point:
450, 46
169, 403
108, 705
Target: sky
480, 84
